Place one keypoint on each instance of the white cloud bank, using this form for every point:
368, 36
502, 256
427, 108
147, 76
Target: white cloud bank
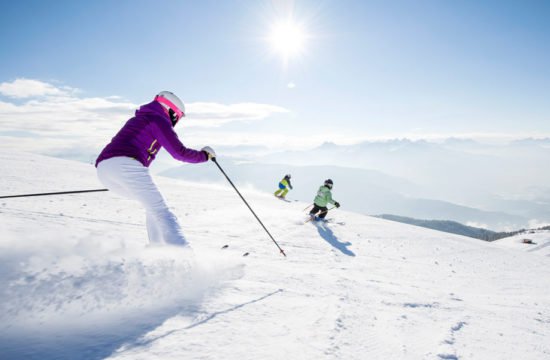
26, 88
42, 117
43, 109
213, 114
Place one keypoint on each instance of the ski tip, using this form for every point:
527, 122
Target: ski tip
225, 246
246, 254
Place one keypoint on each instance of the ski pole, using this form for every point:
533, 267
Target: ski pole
256, 216
52, 193
310, 205
327, 210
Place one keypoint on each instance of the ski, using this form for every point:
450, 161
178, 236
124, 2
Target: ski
317, 220
332, 221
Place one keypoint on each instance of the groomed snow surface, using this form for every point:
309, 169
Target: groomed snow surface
533, 241
77, 280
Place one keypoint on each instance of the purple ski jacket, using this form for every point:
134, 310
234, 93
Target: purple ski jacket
145, 134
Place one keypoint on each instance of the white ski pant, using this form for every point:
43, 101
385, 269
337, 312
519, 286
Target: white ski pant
129, 178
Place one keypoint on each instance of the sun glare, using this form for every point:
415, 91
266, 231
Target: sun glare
287, 38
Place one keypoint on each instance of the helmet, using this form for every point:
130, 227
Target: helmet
328, 183
287, 176
172, 104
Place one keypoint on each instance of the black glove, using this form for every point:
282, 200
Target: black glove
337, 204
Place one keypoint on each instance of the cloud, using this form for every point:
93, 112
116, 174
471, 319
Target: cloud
535, 223
64, 115
40, 117
478, 225
26, 88
208, 114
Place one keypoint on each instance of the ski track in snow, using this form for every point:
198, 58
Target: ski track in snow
78, 282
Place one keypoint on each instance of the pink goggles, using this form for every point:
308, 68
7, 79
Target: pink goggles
165, 101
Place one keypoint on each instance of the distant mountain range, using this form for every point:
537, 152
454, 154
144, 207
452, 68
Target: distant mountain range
361, 190
498, 186
454, 227
507, 178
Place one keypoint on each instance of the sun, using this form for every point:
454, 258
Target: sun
287, 38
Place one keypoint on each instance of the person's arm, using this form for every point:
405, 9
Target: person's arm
167, 137
329, 198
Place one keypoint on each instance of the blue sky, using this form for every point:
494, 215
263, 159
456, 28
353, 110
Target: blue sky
369, 69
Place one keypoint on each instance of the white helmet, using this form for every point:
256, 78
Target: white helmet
172, 103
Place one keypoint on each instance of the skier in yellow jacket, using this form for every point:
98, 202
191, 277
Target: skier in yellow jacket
283, 187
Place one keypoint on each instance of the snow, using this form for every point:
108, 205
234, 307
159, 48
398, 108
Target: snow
540, 242
77, 280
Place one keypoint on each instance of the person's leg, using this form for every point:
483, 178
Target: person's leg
314, 210
131, 179
285, 191
107, 173
163, 224
277, 192
153, 231
323, 212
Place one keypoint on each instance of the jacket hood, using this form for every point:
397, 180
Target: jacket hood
153, 108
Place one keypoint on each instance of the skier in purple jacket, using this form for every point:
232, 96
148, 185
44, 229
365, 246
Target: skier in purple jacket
123, 165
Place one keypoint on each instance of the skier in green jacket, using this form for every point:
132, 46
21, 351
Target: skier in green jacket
323, 198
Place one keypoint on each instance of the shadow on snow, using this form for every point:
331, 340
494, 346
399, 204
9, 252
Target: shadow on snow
327, 234
92, 343
145, 342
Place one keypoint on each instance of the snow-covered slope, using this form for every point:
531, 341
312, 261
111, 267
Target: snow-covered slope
533, 241
77, 280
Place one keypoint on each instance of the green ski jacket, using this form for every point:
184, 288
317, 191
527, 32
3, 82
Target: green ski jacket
324, 197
